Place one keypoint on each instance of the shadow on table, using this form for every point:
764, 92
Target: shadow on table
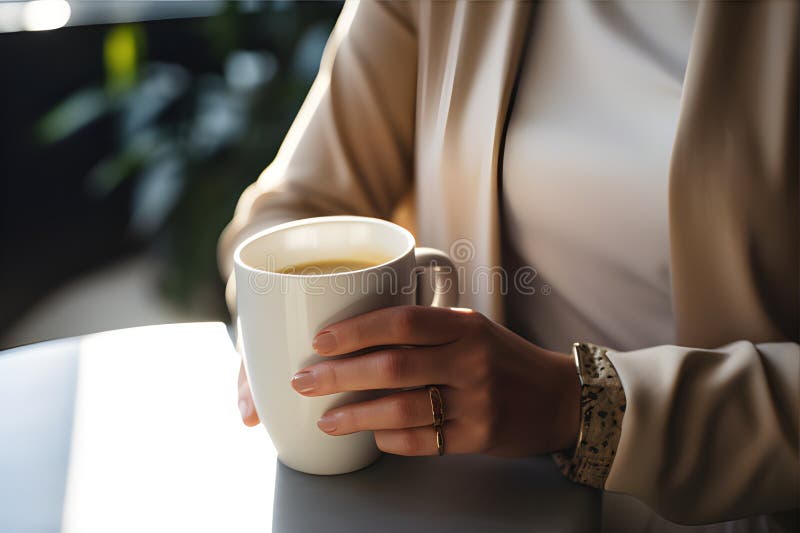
453, 493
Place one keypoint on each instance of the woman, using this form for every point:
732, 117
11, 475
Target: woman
643, 158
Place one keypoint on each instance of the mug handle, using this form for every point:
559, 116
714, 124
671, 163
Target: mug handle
444, 276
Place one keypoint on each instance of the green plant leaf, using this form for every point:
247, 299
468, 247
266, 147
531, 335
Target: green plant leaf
72, 114
112, 170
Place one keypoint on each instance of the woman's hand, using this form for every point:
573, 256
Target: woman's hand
502, 394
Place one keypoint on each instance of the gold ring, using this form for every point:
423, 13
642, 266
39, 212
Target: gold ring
439, 439
437, 405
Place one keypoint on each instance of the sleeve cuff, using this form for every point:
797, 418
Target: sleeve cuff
602, 408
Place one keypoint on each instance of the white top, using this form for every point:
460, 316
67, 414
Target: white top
585, 186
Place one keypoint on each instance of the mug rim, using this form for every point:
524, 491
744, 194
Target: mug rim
239, 263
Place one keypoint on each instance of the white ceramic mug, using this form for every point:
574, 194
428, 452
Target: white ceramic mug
279, 314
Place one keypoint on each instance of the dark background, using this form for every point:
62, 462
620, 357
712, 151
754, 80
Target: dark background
138, 138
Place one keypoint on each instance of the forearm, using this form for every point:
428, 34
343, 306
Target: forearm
707, 435
710, 434
350, 148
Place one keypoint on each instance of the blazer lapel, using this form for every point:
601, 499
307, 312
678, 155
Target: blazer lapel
469, 59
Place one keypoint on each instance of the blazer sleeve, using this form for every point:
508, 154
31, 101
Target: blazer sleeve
350, 148
709, 435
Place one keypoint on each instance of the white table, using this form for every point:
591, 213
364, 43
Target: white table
138, 430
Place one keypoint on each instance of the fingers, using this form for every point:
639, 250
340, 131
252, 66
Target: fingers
406, 409
403, 424
458, 438
246, 406
409, 324
384, 369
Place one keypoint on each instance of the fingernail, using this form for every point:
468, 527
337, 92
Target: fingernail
304, 381
327, 423
324, 342
245, 408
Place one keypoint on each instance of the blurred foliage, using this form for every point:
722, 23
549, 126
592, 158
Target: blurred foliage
191, 141
123, 50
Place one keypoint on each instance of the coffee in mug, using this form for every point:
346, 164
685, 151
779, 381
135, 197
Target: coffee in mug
332, 266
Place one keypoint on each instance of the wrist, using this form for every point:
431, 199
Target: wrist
567, 423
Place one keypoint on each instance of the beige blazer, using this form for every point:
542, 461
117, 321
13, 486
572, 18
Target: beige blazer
419, 94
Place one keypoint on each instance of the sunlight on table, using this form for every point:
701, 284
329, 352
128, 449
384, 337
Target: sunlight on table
157, 431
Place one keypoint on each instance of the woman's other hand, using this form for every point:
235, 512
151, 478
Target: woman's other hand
502, 394
246, 406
